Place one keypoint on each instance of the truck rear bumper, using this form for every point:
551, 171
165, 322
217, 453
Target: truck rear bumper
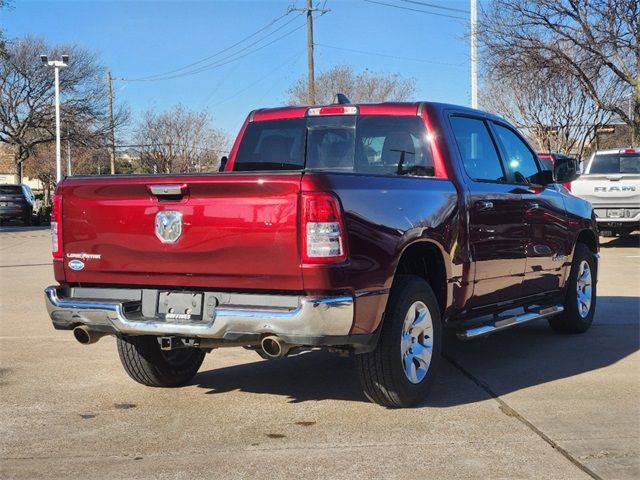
305, 321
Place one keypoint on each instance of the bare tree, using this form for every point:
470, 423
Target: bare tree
179, 141
552, 108
362, 87
85, 160
27, 115
597, 42
4, 5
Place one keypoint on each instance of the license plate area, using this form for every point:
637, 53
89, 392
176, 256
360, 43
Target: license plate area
615, 213
180, 306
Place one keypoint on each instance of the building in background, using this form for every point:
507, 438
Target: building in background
8, 173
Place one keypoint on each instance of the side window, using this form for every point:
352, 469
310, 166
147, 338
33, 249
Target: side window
519, 160
477, 150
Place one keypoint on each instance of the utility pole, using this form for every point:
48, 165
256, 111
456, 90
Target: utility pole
474, 53
311, 87
112, 134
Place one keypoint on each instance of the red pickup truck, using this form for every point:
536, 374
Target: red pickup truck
360, 228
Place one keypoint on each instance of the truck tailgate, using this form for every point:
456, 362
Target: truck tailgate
238, 231
608, 190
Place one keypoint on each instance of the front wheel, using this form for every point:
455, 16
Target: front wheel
580, 302
146, 363
401, 370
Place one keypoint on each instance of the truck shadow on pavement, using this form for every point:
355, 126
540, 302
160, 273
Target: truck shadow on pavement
513, 360
628, 241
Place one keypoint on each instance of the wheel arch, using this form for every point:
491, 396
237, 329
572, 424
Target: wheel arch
588, 238
427, 260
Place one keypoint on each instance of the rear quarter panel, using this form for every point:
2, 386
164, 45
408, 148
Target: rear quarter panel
383, 215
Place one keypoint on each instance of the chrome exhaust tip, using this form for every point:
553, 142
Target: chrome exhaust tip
85, 336
273, 347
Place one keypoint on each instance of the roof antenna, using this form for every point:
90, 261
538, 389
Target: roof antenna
341, 99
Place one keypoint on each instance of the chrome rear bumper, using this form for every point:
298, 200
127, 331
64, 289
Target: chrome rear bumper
308, 317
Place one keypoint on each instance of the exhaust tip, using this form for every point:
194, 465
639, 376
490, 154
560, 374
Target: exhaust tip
82, 335
85, 336
274, 347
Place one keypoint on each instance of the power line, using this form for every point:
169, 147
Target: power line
282, 65
416, 10
226, 49
218, 62
229, 59
389, 56
451, 9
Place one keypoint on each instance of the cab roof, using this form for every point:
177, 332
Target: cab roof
386, 108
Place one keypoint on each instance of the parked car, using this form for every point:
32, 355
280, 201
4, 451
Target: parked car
611, 182
361, 228
16, 202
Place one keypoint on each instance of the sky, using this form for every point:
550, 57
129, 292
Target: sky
144, 38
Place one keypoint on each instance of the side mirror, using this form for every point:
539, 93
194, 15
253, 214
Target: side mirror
566, 170
223, 163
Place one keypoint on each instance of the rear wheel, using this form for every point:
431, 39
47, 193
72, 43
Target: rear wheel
401, 370
146, 363
580, 302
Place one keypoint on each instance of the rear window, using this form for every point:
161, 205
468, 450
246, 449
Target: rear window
10, 190
379, 145
615, 163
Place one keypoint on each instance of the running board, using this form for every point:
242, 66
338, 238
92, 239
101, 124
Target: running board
508, 322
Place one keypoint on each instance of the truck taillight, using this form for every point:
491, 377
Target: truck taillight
56, 226
322, 229
568, 186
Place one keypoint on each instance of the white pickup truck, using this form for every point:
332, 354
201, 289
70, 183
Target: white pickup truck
611, 182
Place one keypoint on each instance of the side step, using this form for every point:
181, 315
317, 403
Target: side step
507, 322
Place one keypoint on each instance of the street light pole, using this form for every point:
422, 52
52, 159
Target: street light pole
474, 54
57, 65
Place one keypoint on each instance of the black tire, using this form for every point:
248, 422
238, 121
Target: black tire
576, 318
26, 220
382, 371
146, 363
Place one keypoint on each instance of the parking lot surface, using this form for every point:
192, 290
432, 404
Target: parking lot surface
526, 403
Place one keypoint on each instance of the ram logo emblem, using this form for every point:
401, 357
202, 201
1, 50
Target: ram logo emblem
168, 226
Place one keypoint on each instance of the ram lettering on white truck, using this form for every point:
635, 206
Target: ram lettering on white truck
611, 182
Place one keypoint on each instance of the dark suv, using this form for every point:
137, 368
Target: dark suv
16, 201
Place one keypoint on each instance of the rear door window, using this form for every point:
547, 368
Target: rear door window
478, 152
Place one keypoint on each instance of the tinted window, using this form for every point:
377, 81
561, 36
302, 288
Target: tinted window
477, 150
384, 145
389, 145
546, 162
272, 145
10, 190
518, 158
615, 163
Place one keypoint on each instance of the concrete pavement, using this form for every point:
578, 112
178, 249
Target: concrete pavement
526, 403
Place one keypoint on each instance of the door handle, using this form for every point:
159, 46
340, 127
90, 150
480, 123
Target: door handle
167, 191
531, 206
483, 205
